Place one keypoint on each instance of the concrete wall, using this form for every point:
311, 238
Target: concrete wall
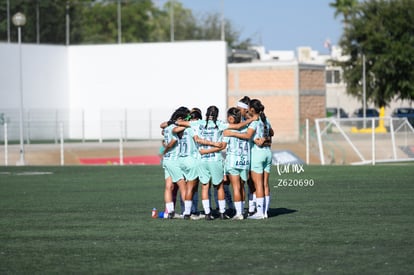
100, 84
44, 74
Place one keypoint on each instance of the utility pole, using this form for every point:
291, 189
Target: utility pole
172, 20
119, 23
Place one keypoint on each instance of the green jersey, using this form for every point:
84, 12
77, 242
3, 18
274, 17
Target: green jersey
172, 154
237, 152
211, 132
260, 132
188, 146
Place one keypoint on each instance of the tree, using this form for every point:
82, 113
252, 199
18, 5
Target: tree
98, 23
185, 24
51, 21
210, 28
383, 31
206, 26
95, 21
344, 8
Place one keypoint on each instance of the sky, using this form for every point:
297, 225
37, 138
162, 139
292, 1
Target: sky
277, 24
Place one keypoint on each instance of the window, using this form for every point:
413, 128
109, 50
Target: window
333, 76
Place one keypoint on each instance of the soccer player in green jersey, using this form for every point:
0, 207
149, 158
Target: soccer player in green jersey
237, 161
209, 135
243, 106
188, 159
194, 115
172, 170
261, 156
211, 164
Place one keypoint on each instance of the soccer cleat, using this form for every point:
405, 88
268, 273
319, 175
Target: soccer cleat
230, 212
256, 216
171, 215
186, 217
178, 216
223, 216
201, 215
252, 213
196, 217
208, 217
265, 215
238, 217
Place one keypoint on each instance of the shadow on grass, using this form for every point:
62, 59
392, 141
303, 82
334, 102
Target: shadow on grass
273, 212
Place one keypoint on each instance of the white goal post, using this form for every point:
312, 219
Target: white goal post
363, 141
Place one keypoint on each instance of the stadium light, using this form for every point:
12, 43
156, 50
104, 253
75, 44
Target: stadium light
19, 19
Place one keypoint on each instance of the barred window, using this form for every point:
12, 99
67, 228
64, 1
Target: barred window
333, 76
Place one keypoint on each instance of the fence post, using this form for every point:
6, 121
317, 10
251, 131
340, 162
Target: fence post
83, 125
57, 125
101, 126
307, 141
394, 152
62, 152
373, 141
126, 124
6, 150
150, 125
28, 133
121, 149
318, 131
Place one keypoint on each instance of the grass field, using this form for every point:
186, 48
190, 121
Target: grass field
88, 220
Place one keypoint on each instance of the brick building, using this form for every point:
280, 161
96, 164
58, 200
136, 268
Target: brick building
291, 92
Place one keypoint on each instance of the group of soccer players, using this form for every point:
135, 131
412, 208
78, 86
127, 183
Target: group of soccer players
192, 155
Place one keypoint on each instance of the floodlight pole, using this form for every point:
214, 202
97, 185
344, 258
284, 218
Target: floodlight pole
364, 91
119, 22
21, 97
172, 20
8, 21
67, 24
37, 23
19, 20
223, 34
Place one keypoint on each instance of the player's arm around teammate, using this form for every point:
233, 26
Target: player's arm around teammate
237, 163
259, 158
211, 165
172, 171
188, 161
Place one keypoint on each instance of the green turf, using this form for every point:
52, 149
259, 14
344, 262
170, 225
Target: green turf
353, 220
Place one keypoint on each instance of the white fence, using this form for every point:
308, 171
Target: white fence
333, 141
45, 124
364, 141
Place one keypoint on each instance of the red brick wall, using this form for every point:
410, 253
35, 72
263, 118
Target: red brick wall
311, 79
291, 93
312, 93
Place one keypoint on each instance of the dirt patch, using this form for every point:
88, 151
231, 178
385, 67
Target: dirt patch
50, 154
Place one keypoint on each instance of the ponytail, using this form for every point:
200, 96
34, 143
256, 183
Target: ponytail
212, 113
259, 109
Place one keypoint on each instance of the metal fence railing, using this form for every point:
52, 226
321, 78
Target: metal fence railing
45, 124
